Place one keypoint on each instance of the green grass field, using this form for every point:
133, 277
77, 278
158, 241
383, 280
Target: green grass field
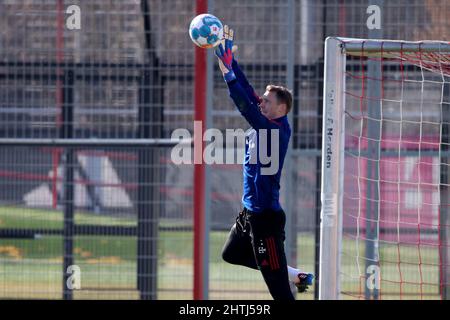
33, 268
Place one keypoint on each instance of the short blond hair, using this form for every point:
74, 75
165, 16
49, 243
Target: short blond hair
283, 94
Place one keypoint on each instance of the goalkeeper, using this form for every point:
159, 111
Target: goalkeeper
256, 240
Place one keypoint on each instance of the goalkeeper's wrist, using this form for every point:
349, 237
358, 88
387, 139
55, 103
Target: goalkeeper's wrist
229, 76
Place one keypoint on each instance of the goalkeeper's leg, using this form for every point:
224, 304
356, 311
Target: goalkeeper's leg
302, 280
267, 234
238, 247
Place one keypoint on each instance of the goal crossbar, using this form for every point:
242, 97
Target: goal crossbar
354, 45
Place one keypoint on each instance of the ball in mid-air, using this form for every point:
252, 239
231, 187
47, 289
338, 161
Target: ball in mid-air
206, 30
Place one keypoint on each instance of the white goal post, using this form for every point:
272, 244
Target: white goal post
385, 185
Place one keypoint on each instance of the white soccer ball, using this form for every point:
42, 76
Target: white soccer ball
206, 30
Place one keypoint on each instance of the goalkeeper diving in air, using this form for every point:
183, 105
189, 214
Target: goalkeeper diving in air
256, 240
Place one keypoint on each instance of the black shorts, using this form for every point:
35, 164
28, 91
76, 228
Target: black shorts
256, 241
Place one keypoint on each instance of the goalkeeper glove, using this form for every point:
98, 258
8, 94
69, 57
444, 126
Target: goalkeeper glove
226, 55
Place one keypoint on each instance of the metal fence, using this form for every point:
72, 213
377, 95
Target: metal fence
128, 73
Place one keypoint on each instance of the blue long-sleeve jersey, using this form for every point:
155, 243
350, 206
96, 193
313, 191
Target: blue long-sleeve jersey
261, 191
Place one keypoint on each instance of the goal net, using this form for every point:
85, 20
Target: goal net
385, 170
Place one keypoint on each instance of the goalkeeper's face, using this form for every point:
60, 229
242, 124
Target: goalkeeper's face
270, 107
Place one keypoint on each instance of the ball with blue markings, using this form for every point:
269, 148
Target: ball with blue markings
206, 30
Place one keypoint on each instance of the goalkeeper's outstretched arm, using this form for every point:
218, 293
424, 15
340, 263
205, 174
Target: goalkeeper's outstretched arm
240, 76
247, 105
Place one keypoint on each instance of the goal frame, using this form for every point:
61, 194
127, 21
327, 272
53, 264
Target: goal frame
333, 135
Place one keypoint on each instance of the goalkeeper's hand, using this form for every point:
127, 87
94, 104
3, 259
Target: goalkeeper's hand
226, 55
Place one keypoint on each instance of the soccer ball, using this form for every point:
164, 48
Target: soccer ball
206, 30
